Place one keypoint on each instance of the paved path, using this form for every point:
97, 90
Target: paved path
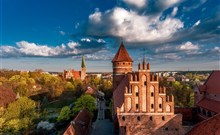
102, 126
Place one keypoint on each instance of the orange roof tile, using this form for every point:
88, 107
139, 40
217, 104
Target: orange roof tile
213, 82
122, 55
209, 104
210, 126
81, 124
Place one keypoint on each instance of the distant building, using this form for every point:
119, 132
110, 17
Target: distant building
140, 105
94, 92
207, 96
73, 74
171, 79
81, 125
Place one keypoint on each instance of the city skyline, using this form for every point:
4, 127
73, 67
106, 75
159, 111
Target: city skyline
171, 34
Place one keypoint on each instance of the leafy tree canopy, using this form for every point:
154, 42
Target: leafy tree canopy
64, 113
85, 101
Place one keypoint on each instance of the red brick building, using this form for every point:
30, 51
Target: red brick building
141, 106
207, 97
73, 74
81, 125
210, 126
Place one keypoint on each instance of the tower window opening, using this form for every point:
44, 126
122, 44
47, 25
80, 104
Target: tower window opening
138, 118
152, 106
137, 106
137, 94
152, 94
123, 118
145, 83
151, 118
163, 118
160, 105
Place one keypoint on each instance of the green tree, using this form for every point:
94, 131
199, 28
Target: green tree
64, 113
85, 101
69, 86
52, 84
22, 83
19, 115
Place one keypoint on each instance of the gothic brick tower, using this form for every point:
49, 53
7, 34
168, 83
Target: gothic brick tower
141, 106
122, 64
83, 68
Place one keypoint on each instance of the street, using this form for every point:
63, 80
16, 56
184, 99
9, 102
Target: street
102, 126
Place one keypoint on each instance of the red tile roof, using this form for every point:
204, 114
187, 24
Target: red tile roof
210, 126
213, 82
122, 55
118, 94
209, 104
81, 124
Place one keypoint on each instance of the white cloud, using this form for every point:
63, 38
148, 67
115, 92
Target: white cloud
175, 9
197, 23
38, 50
188, 46
101, 41
86, 40
62, 32
136, 3
131, 26
216, 49
24, 48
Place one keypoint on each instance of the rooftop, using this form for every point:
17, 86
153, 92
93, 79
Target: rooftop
122, 55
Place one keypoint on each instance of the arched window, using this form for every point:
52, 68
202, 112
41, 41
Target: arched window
138, 118
151, 118
168, 108
123, 118
163, 118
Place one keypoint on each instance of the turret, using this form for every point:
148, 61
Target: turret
122, 64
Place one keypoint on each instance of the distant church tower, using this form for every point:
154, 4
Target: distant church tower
83, 69
122, 64
141, 106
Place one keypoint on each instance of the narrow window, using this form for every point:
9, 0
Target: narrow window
151, 118
152, 94
138, 118
136, 94
163, 118
137, 106
123, 118
160, 105
152, 106
145, 83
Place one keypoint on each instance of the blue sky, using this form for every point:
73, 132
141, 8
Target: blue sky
54, 34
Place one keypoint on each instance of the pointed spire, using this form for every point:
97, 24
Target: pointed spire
122, 55
83, 65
